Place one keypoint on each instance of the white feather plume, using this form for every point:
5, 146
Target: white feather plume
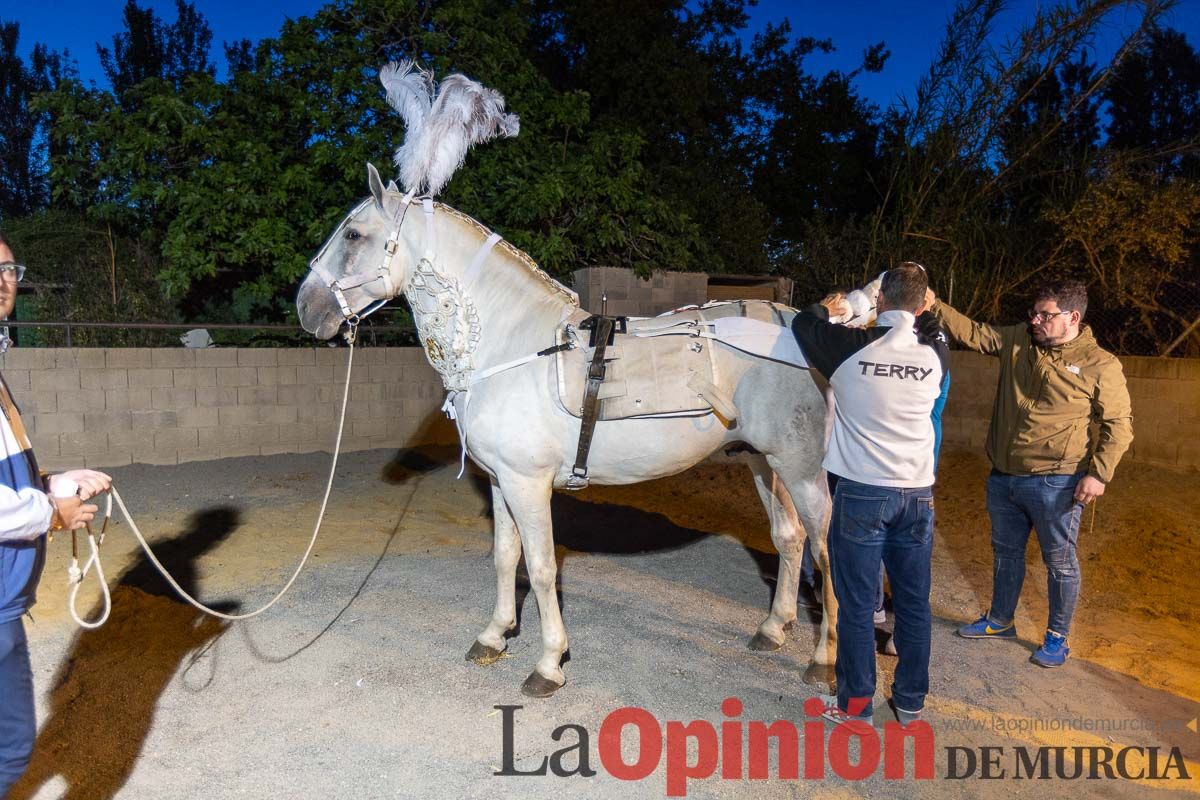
411, 94
463, 113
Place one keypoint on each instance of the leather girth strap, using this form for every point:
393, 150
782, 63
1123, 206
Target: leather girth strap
602, 332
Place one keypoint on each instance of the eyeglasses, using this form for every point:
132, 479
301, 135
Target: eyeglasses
13, 267
1045, 316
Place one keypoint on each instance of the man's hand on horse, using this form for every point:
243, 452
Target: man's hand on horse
1088, 489
838, 307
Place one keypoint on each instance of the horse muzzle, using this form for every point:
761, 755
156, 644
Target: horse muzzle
318, 311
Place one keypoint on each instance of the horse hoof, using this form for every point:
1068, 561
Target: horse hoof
821, 676
764, 643
538, 685
483, 655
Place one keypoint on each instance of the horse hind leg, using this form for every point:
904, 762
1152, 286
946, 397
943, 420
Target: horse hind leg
786, 536
489, 646
528, 500
810, 496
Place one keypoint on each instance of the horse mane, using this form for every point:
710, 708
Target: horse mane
442, 122
520, 255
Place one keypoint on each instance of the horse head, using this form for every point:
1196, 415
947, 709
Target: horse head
361, 266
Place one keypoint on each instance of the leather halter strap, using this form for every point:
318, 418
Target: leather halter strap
339, 285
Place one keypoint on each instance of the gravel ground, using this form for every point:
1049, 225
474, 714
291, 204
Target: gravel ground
354, 685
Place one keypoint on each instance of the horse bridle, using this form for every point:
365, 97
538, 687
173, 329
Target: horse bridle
337, 286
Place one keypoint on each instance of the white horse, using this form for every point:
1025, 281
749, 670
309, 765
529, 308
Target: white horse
484, 311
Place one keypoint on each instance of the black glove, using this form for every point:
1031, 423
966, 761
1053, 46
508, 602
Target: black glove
928, 329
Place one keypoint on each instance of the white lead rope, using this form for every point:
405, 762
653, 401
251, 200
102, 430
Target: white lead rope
77, 575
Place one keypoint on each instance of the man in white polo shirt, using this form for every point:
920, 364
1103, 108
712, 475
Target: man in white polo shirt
885, 381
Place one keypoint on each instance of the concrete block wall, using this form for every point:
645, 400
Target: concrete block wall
1165, 393
103, 407
107, 407
629, 295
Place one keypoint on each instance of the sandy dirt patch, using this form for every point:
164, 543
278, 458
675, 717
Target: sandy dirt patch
355, 685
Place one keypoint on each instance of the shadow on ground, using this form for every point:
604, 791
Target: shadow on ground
105, 693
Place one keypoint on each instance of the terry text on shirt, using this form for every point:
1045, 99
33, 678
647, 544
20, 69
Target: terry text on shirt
901, 371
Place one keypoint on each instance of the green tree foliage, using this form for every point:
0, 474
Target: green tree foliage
23, 186
149, 48
1052, 138
741, 139
84, 271
237, 181
997, 137
1146, 250
1155, 103
1135, 237
655, 135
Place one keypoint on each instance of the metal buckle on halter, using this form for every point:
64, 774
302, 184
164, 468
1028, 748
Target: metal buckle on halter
383, 273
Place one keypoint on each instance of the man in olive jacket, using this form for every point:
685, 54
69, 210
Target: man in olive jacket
1047, 464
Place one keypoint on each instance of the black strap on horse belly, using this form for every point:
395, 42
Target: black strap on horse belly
601, 336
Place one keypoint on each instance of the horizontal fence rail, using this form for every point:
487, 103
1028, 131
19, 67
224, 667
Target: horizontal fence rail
371, 331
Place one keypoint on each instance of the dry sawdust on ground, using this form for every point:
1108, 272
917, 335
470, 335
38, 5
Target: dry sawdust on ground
109, 687
1138, 613
1137, 617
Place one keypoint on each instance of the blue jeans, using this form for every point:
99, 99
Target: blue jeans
873, 524
808, 576
1045, 503
17, 726
808, 568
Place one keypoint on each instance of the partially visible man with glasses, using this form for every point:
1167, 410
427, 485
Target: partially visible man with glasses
30, 505
11, 273
1047, 465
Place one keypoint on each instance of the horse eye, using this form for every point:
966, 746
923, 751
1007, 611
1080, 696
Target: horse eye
353, 234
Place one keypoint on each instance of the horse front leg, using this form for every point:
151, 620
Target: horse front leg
489, 646
528, 500
785, 535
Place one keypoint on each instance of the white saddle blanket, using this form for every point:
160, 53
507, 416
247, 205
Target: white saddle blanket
762, 339
650, 367
644, 377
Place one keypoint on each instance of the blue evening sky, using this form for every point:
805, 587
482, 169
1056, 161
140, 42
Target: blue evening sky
912, 29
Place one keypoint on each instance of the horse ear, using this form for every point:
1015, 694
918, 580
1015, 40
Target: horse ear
392, 187
376, 184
